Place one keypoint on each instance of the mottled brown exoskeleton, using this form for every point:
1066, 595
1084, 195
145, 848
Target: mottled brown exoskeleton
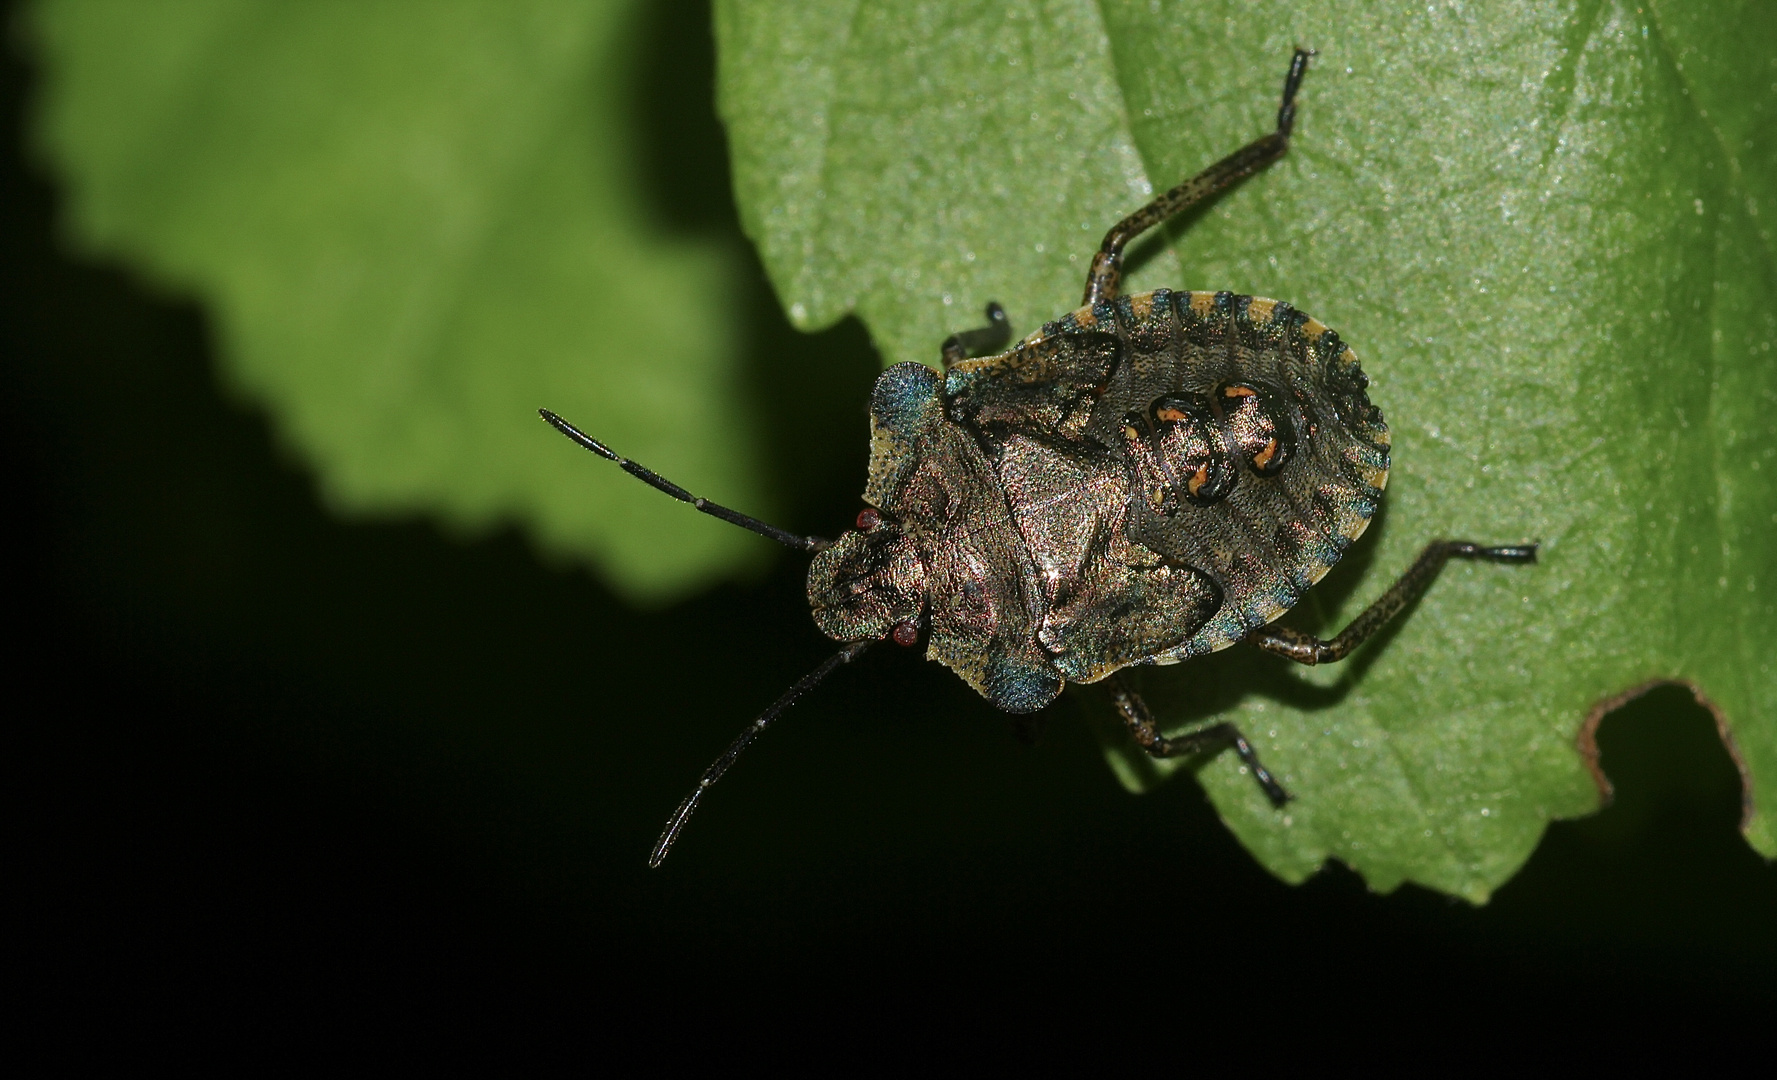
1144, 480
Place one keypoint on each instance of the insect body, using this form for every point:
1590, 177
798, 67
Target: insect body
1144, 480
1141, 481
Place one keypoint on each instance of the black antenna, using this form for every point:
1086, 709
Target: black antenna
676, 824
661, 483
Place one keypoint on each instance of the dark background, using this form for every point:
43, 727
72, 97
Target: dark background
278, 784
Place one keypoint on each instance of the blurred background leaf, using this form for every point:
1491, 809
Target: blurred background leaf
416, 224
1540, 225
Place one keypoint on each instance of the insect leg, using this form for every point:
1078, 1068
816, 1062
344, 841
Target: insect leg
1308, 649
1147, 735
979, 342
1106, 273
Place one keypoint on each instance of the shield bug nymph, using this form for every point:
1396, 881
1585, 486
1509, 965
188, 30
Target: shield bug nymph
1146, 479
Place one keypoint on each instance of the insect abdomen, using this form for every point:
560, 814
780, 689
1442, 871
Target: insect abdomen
1252, 451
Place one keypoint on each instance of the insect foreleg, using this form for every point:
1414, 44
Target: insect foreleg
1308, 649
1147, 735
978, 342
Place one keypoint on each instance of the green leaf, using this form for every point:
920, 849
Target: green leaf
412, 226
1546, 229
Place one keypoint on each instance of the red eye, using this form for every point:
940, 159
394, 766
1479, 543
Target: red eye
868, 519
906, 635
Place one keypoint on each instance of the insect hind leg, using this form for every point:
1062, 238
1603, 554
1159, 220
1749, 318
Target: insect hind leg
1308, 649
1147, 735
1105, 277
